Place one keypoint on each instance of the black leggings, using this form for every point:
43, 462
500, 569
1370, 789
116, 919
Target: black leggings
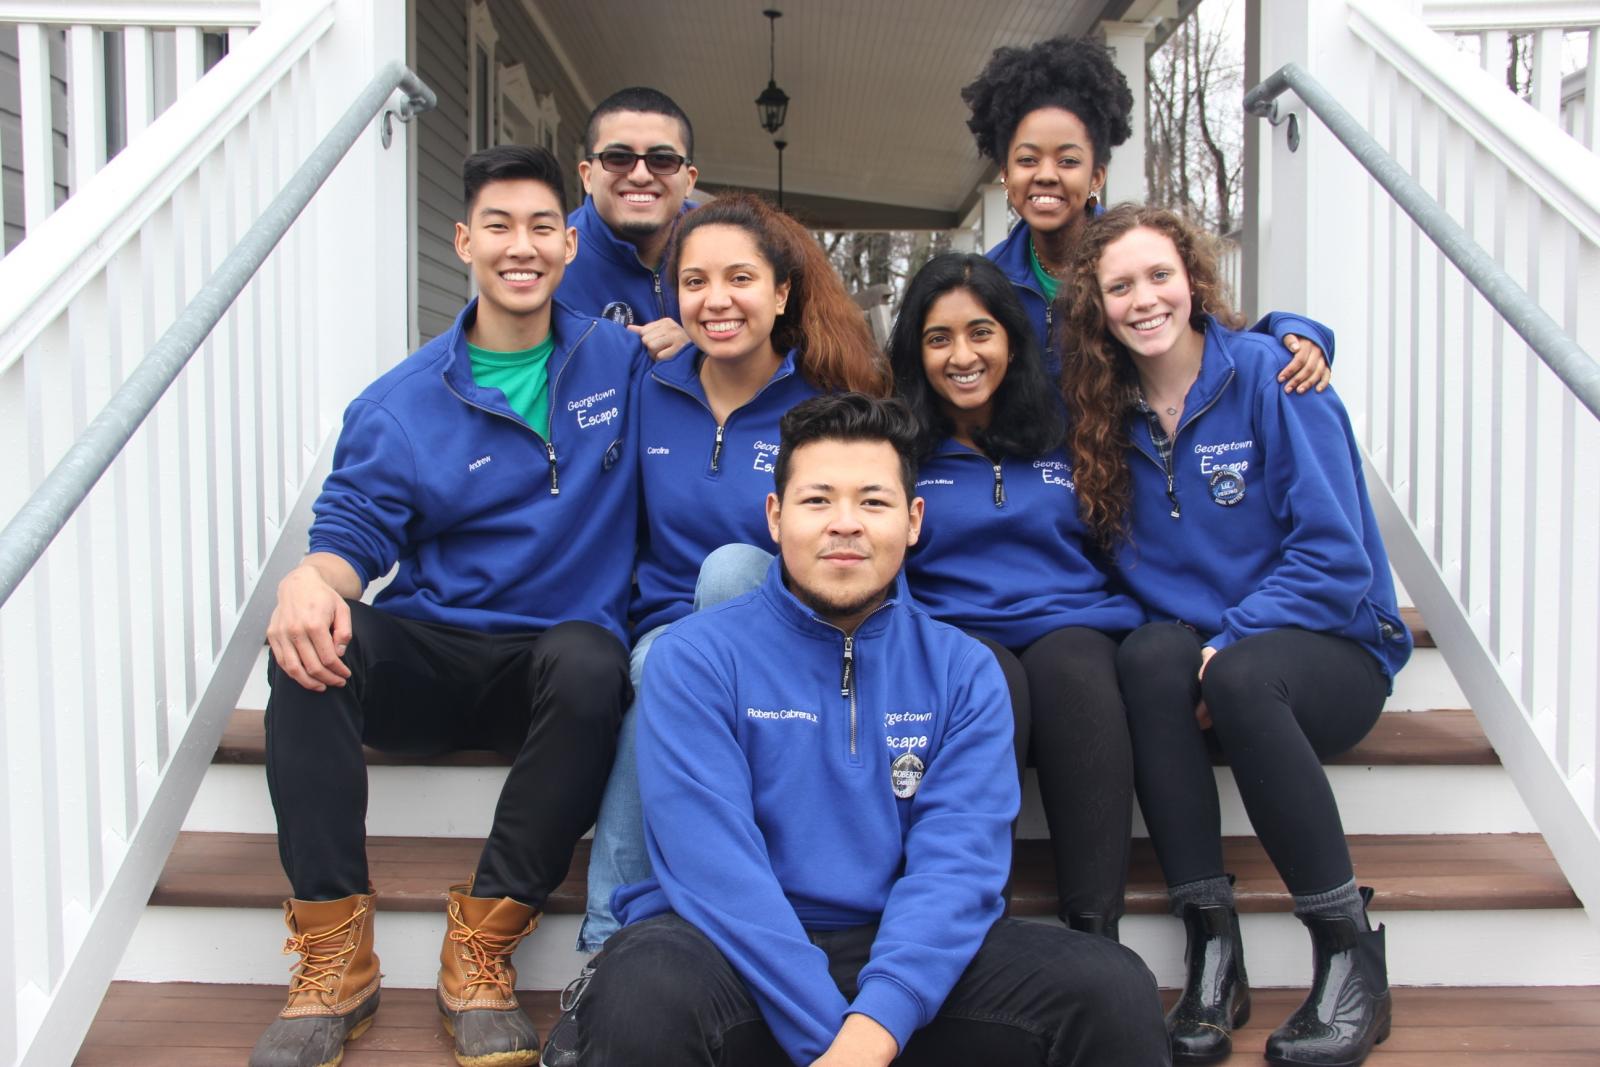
1280, 703
552, 700
1070, 717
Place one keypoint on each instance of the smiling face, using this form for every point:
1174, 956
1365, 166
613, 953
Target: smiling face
843, 526
965, 354
1050, 169
517, 244
728, 295
638, 205
1145, 292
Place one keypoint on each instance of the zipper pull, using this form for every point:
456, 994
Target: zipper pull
555, 486
999, 487
1172, 496
845, 680
716, 449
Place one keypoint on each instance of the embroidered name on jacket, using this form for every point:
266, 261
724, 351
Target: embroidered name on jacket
780, 714
1213, 457
590, 413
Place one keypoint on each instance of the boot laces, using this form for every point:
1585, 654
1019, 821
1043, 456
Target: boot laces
486, 952
319, 969
574, 991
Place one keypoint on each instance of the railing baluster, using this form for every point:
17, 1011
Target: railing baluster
1591, 99
38, 135
86, 90
190, 58
138, 80
1545, 85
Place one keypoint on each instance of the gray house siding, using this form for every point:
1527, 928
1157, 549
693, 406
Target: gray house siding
444, 135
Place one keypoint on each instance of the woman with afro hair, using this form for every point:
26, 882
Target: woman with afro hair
1048, 116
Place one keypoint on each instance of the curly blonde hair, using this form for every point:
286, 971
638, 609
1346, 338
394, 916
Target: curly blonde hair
1098, 379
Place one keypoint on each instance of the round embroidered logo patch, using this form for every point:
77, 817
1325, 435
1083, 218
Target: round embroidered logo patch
618, 312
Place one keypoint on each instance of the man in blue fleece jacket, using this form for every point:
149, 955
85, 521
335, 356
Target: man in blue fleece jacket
489, 469
638, 173
828, 794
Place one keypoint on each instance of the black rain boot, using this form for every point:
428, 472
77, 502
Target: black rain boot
1348, 1009
1216, 993
1091, 922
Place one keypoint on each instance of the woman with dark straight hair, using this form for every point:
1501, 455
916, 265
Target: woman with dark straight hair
1004, 556
1240, 521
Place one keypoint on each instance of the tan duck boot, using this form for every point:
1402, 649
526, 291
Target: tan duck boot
477, 982
333, 990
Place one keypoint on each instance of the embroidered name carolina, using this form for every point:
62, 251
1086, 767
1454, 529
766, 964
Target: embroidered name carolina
780, 713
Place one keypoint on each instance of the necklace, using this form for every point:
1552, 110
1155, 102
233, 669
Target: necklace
1037, 258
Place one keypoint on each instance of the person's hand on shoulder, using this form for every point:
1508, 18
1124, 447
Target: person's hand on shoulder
664, 338
860, 1042
1307, 368
310, 626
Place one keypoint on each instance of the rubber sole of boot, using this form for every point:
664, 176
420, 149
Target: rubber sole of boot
1383, 1035
519, 1058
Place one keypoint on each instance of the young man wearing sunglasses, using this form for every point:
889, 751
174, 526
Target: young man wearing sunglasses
638, 174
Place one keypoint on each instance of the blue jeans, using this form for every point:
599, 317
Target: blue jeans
617, 857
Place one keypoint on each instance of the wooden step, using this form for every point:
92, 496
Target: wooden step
1443, 737
178, 1025
1409, 872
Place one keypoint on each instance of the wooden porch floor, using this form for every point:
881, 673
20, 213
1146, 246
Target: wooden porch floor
191, 1025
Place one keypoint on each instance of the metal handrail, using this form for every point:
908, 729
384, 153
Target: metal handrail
1563, 355
37, 522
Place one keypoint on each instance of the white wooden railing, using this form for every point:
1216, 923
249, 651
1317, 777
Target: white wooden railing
123, 648
1493, 24
156, 51
1485, 470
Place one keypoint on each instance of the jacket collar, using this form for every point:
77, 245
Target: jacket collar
682, 371
1011, 255
806, 620
596, 235
567, 327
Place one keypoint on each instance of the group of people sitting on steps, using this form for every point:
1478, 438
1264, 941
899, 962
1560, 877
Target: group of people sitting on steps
789, 616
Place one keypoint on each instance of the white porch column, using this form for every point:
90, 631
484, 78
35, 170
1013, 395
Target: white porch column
1125, 178
996, 215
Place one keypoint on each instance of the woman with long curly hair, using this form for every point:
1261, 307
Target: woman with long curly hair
770, 325
1004, 556
1240, 521
1049, 116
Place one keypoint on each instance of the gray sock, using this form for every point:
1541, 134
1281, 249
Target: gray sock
1205, 892
1341, 900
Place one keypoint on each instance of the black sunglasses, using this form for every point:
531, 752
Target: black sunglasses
619, 161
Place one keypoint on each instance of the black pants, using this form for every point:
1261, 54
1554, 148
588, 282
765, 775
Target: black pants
1071, 721
552, 701
1034, 995
1280, 702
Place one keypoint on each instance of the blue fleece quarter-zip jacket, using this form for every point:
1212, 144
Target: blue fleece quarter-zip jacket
495, 528
1263, 521
1003, 552
705, 485
607, 280
766, 741
1011, 256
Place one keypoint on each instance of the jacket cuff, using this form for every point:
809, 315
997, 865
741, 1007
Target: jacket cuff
890, 1005
1222, 641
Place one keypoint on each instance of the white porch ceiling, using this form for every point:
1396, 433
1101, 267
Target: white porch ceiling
875, 112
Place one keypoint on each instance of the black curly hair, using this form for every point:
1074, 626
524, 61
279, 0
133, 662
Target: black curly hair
1072, 73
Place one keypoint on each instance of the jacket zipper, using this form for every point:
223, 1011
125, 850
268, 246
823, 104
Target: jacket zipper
550, 443
999, 487
847, 684
1172, 493
716, 445
661, 305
